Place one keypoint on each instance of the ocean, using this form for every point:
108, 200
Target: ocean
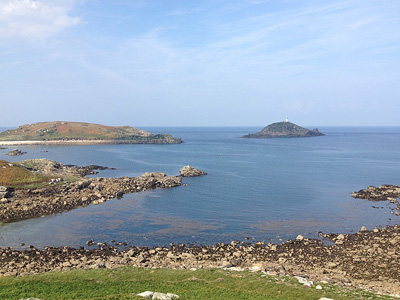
256, 190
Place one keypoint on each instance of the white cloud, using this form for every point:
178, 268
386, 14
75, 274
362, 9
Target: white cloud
35, 18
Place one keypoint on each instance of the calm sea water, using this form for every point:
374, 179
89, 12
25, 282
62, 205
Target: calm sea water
260, 189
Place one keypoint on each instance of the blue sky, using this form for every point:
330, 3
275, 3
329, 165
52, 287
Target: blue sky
200, 63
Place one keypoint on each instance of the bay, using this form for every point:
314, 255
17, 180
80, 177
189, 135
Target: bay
263, 190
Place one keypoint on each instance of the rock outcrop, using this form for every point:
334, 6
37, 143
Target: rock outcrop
15, 152
188, 171
47, 166
283, 130
386, 192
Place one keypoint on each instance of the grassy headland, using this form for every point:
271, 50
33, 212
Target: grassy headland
122, 283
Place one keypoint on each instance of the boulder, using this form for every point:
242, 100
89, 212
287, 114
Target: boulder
340, 237
5, 192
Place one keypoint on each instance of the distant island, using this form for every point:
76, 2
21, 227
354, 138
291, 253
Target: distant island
284, 129
59, 133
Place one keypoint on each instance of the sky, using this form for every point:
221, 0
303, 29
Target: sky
200, 63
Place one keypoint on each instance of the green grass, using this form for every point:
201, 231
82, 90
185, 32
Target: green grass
14, 175
121, 283
17, 175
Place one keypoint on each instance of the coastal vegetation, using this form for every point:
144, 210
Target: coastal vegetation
79, 131
15, 175
127, 282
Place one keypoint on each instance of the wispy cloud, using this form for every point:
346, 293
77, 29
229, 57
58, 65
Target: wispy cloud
35, 18
222, 58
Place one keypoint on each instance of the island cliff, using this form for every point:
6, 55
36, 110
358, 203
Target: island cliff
58, 132
283, 130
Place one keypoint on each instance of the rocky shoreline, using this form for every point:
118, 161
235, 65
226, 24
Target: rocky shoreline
366, 259
386, 192
31, 203
21, 204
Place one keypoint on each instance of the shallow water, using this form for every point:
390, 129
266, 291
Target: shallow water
261, 189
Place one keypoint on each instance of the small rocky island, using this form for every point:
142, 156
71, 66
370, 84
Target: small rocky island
15, 152
284, 129
80, 133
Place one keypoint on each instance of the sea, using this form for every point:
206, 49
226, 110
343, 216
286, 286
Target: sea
267, 190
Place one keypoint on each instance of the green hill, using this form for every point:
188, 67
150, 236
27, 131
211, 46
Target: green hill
58, 130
